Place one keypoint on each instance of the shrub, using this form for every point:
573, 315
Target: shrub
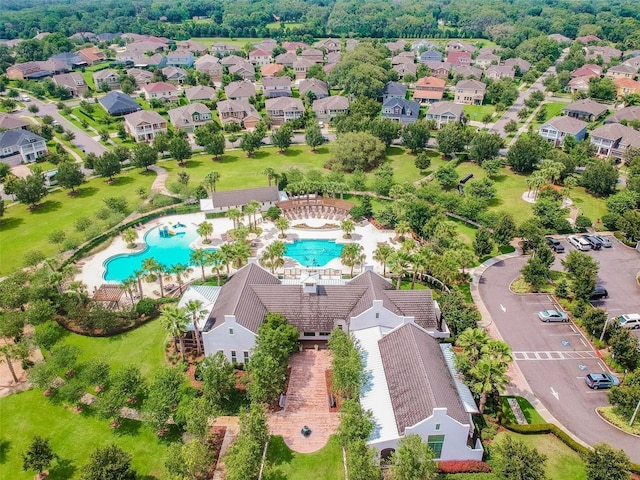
463, 466
146, 306
159, 200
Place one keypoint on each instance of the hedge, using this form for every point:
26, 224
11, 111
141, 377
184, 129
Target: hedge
463, 466
560, 434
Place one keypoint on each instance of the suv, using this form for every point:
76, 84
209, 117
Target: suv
629, 320
554, 244
599, 293
601, 380
593, 241
580, 243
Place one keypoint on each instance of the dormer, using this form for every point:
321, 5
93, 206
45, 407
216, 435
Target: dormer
310, 285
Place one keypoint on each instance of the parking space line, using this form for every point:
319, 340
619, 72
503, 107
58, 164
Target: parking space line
583, 342
573, 329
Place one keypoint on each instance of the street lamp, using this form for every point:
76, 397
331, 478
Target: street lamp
604, 328
633, 417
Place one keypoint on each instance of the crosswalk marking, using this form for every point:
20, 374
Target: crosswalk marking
554, 355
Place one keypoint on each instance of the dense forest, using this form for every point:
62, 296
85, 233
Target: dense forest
507, 22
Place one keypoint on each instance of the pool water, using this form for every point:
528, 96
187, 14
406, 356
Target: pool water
313, 253
168, 250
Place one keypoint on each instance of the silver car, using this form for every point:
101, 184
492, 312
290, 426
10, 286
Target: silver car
606, 241
553, 316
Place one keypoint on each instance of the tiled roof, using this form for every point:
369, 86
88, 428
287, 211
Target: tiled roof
627, 113
284, 103
240, 89
567, 124
314, 85
626, 83
183, 116
9, 122
471, 85
276, 82
334, 102
271, 69
144, 116
200, 92
616, 131
160, 87
233, 198
431, 82
418, 377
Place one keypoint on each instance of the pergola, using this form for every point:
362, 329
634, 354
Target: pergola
108, 293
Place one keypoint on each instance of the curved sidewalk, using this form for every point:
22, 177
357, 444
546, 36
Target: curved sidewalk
518, 384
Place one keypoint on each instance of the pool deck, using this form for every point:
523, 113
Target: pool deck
92, 268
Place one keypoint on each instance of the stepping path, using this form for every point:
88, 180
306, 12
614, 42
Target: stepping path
307, 404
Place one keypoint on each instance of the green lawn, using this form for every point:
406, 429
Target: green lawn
24, 230
285, 464
530, 413
73, 437
477, 112
237, 42
562, 462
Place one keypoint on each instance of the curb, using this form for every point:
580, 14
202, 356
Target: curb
602, 417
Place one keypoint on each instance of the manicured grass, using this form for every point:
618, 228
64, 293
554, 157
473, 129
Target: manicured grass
237, 42
562, 462
285, 464
276, 25
43, 166
530, 413
73, 437
520, 286
477, 112
23, 230
590, 206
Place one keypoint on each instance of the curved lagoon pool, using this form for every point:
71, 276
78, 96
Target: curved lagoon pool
313, 253
168, 246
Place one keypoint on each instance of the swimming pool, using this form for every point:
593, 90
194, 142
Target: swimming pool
313, 253
168, 244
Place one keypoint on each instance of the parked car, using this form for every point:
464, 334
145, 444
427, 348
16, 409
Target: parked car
599, 293
629, 320
25, 98
593, 241
555, 244
553, 316
579, 242
606, 241
601, 380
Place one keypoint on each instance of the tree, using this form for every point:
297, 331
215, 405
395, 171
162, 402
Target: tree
130, 236
512, 126
251, 142
282, 224
352, 254
625, 348
281, 137
161, 142
382, 254
179, 271
69, 176
162, 398
413, 460
143, 155
600, 177
602, 89
31, 189
273, 256
447, 176
205, 229
514, 460
108, 463
180, 149
200, 258
347, 378
107, 165
385, 129
422, 161
526, 152
625, 397
174, 320
451, 138
313, 136
505, 229
383, 179
191, 460
218, 380
483, 189
583, 272
39, 455
459, 314
415, 136
359, 150
483, 243
536, 271
629, 225
152, 266
605, 463
347, 227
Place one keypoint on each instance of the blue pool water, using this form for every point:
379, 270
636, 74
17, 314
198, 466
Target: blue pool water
167, 250
313, 253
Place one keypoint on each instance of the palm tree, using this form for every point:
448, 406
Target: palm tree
402, 228
382, 255
175, 320
179, 270
204, 230
347, 227
420, 262
239, 233
282, 224
226, 252
138, 274
352, 254
151, 265
210, 181
497, 350
241, 253
472, 341
399, 262
217, 261
234, 214
535, 181
129, 285
194, 308
130, 236
201, 258
488, 376
270, 173
254, 207
273, 256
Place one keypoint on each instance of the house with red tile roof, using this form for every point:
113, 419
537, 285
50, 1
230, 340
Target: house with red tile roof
429, 90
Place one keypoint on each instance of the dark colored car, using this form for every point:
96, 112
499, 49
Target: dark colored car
599, 293
593, 241
554, 244
601, 380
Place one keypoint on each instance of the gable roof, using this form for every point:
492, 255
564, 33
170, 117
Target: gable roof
587, 106
118, 103
434, 82
18, 137
471, 85
626, 83
9, 122
466, 71
159, 87
616, 131
276, 82
144, 116
313, 85
334, 102
394, 88
626, 113
566, 124
440, 108
182, 116
102, 74
232, 198
284, 103
200, 92
271, 68
241, 88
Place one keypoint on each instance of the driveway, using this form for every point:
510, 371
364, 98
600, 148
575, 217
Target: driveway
555, 357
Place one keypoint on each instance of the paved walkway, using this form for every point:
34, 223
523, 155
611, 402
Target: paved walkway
307, 404
230, 435
159, 184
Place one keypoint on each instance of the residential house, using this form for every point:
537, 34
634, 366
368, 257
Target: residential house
286, 59
466, 71
460, 46
621, 71
282, 109
607, 54
180, 58
157, 60
401, 110
422, 45
268, 44
329, 45
633, 62
244, 69
334, 57
292, 47
117, 103
160, 91
625, 114
586, 109
200, 93
189, 117
238, 111
394, 90
314, 55
560, 38
455, 57
439, 69
626, 86
499, 72
270, 70
404, 69
558, 128
71, 60
590, 69
430, 56
210, 65
276, 87
36, 70
350, 44
73, 82
396, 47
518, 63
613, 139
9, 122
579, 84
175, 75
329, 107
470, 92
260, 57
588, 39
444, 112
231, 60
488, 50
241, 90
317, 88
108, 77
403, 57
223, 201
301, 66
141, 77
222, 48
83, 37
429, 90
107, 37
486, 59
92, 55
28, 145
191, 46
145, 125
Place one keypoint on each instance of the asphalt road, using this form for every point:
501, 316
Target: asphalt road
555, 357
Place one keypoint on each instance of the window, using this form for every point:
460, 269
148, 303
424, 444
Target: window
309, 334
437, 426
234, 360
246, 356
377, 315
435, 443
231, 331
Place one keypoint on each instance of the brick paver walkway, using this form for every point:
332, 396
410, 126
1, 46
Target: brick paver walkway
307, 404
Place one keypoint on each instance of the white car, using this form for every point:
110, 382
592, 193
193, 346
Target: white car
25, 98
629, 320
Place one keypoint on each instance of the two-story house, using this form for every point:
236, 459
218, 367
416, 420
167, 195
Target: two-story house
329, 107
404, 69
292, 47
145, 125
455, 57
189, 117
107, 77
627, 114
240, 90
200, 93
175, 75
243, 69
238, 111
403, 57
558, 128
313, 55
485, 60
191, 46
585, 109
180, 58
401, 110
301, 66
612, 140
329, 45
466, 71
92, 55
271, 70
160, 91
621, 71
429, 90
444, 112
518, 63
314, 87
626, 86
430, 56
396, 47
470, 92
210, 65
260, 57
459, 46
286, 59
73, 82
276, 87
499, 72
393, 90
439, 69
140, 76
282, 109
28, 145
11, 122
605, 52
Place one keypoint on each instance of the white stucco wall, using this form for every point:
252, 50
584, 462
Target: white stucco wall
219, 338
377, 316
